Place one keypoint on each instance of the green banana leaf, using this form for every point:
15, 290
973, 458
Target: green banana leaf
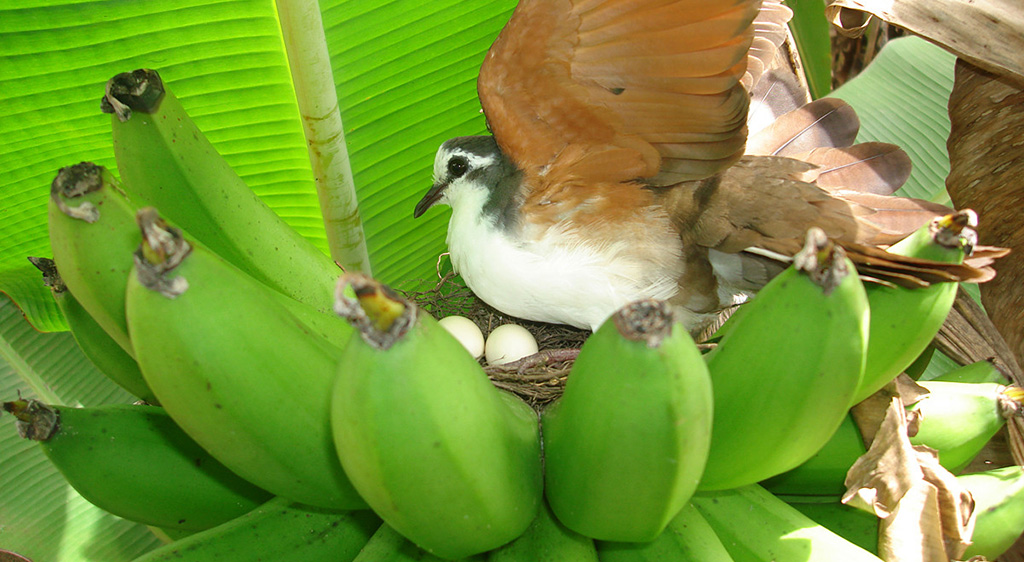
811, 35
404, 71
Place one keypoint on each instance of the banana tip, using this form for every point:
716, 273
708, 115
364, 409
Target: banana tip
649, 321
36, 420
77, 181
822, 260
127, 92
956, 230
163, 248
381, 315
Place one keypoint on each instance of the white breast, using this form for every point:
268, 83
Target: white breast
554, 278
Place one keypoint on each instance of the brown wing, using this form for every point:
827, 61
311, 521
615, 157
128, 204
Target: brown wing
614, 90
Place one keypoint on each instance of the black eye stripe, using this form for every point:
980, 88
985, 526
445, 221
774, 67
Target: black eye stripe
457, 166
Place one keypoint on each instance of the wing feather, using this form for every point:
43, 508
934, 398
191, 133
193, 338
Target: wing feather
654, 83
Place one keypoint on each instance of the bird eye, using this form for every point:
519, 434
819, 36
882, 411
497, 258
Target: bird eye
457, 166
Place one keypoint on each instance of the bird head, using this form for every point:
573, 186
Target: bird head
471, 168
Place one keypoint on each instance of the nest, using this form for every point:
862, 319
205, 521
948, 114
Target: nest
537, 379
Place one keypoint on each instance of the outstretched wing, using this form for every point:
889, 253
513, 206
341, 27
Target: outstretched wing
610, 91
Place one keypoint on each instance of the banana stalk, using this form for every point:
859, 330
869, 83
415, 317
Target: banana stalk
277, 530
785, 372
235, 368
625, 445
168, 162
134, 462
445, 458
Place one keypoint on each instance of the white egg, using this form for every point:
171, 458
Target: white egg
509, 342
466, 331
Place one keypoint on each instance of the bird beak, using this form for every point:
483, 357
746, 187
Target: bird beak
429, 199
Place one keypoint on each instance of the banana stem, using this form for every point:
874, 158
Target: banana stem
315, 91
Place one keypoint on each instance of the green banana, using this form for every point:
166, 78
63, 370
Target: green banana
824, 473
546, 540
688, 537
785, 372
388, 545
278, 530
980, 371
756, 526
235, 368
92, 235
958, 418
998, 497
625, 444
904, 321
853, 524
96, 344
444, 457
133, 461
169, 163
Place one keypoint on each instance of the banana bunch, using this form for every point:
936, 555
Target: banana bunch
824, 473
388, 545
957, 419
293, 415
965, 407
546, 540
